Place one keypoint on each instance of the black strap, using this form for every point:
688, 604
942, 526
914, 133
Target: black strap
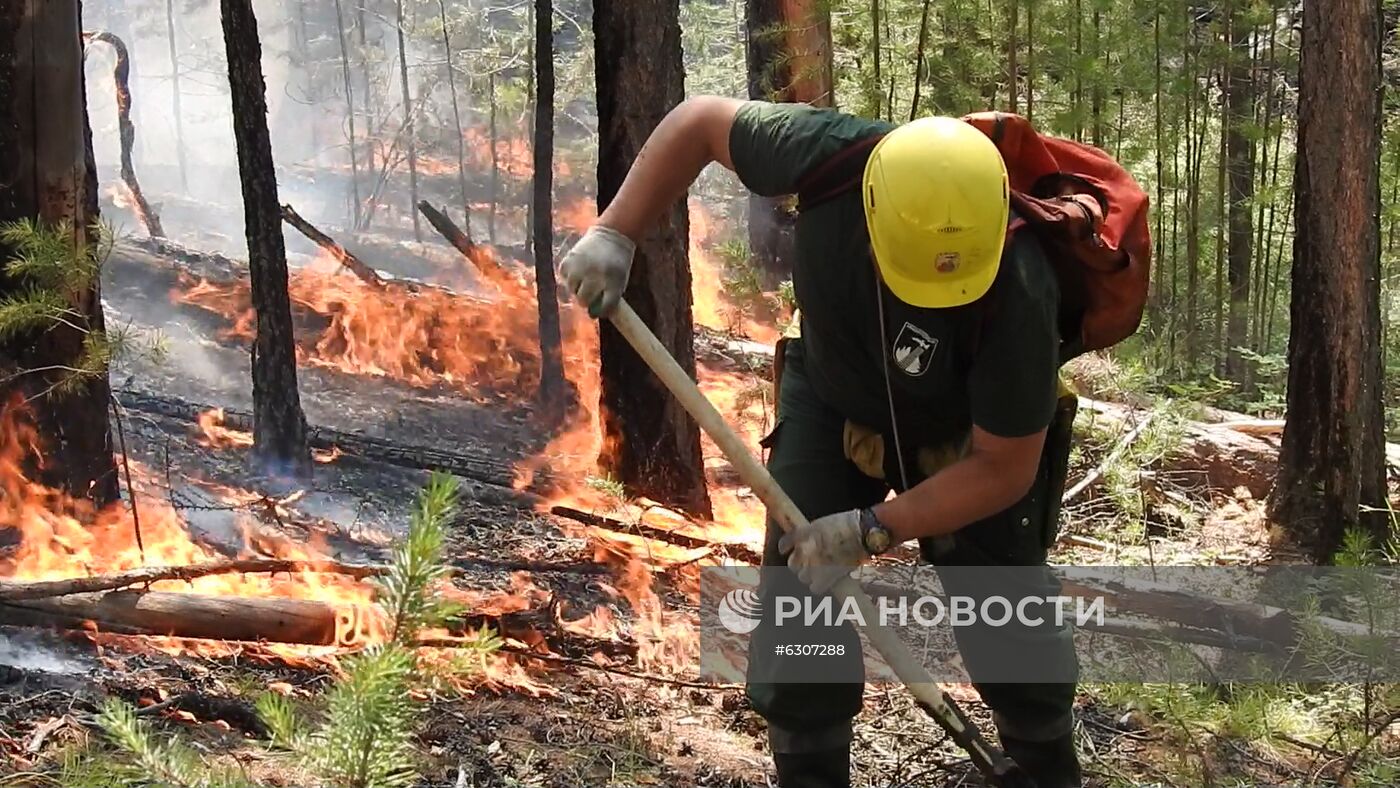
839, 174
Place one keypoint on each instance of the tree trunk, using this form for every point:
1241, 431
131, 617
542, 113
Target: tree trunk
1268, 173
1193, 181
349, 117
1161, 207
1332, 461
1077, 93
178, 614
919, 60
495, 161
1030, 60
1096, 97
279, 428
788, 56
551, 395
1012, 77
655, 445
1240, 164
875, 53
1221, 191
456, 120
410, 142
46, 166
175, 92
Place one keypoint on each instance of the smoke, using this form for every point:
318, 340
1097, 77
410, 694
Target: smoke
203, 207
28, 651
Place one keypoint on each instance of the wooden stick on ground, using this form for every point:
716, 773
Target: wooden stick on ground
357, 266
11, 590
741, 552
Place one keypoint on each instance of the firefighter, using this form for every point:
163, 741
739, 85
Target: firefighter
927, 363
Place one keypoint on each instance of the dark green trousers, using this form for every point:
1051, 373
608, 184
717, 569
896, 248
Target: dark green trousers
807, 457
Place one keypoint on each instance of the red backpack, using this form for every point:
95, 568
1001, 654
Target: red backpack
1086, 210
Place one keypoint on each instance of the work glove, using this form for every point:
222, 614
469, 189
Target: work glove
826, 550
596, 269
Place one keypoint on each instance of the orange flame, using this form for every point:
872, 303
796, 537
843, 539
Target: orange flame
60, 537
486, 347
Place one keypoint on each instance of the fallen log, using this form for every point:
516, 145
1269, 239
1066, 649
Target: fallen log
271, 619
1167, 613
121, 71
479, 256
717, 350
1225, 458
366, 274
738, 551
1236, 618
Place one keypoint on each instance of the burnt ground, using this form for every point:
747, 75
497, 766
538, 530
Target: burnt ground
576, 725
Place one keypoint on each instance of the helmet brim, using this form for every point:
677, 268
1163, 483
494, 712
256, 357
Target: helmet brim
948, 292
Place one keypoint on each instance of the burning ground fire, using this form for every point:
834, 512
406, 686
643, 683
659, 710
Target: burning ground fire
482, 346
60, 537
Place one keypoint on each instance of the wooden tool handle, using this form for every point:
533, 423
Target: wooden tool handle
934, 701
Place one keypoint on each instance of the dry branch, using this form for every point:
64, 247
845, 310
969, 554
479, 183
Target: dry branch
366, 274
1122, 446
738, 551
121, 72
11, 590
479, 256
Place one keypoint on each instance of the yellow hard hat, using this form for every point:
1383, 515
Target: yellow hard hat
936, 201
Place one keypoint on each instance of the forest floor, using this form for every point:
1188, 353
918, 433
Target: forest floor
545, 723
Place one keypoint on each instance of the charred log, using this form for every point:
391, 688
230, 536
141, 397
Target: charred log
741, 552
121, 73
276, 620
480, 256
366, 274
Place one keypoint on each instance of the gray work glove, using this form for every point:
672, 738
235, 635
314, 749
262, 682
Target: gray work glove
596, 269
826, 550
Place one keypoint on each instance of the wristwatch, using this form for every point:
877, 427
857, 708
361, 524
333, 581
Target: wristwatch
874, 536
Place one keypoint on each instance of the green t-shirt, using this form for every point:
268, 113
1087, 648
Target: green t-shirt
992, 363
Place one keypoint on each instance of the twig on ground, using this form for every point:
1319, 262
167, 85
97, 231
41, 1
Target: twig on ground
591, 665
1112, 457
126, 470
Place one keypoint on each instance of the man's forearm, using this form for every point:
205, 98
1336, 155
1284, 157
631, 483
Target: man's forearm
969, 490
691, 136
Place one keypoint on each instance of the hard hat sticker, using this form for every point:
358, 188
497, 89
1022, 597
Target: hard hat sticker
947, 262
913, 350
